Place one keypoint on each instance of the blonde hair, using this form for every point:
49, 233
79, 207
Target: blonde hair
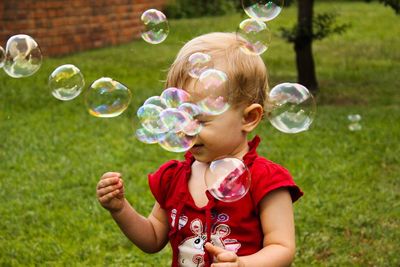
247, 74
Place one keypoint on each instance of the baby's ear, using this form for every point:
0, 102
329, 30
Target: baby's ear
252, 116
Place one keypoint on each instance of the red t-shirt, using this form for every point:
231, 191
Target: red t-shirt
234, 226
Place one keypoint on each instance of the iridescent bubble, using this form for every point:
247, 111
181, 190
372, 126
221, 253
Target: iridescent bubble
198, 63
2, 56
66, 82
156, 26
194, 126
213, 105
291, 108
174, 119
355, 126
228, 179
354, 117
147, 137
176, 142
257, 36
263, 10
23, 56
149, 116
174, 97
191, 109
210, 89
107, 98
156, 100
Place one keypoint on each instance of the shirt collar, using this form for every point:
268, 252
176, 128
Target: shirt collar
248, 158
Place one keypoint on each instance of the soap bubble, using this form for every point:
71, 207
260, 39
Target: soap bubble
174, 119
147, 137
228, 179
176, 142
355, 126
107, 98
257, 36
291, 108
194, 126
174, 97
66, 82
156, 26
264, 10
149, 116
210, 89
354, 117
23, 56
198, 63
2, 56
156, 100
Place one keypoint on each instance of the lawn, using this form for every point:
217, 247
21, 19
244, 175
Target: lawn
52, 153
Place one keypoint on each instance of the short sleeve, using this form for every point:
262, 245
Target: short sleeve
160, 181
268, 176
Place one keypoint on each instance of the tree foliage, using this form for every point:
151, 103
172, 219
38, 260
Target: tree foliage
323, 25
395, 4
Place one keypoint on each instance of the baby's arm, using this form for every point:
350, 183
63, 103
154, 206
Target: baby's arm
149, 234
276, 214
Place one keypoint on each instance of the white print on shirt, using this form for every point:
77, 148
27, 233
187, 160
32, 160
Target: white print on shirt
182, 219
191, 250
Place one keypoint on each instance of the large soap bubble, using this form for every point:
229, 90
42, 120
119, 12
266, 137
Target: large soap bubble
156, 26
66, 82
211, 90
107, 98
228, 179
257, 36
264, 10
23, 56
291, 108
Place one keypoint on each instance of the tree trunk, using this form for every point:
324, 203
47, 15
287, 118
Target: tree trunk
303, 47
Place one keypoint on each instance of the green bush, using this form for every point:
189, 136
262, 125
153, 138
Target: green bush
193, 8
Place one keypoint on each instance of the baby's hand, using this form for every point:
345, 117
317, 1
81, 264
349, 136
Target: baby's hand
223, 257
110, 191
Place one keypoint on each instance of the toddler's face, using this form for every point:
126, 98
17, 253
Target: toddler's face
221, 136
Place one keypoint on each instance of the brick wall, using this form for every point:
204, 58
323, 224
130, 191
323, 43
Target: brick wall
64, 26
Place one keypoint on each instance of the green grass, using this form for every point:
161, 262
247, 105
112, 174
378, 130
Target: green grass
52, 153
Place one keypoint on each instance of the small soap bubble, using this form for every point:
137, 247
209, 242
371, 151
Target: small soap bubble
354, 117
174, 97
257, 36
291, 108
228, 179
191, 109
149, 117
176, 142
156, 26
355, 126
2, 56
23, 56
264, 10
147, 137
107, 98
194, 126
156, 100
174, 119
66, 82
198, 63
